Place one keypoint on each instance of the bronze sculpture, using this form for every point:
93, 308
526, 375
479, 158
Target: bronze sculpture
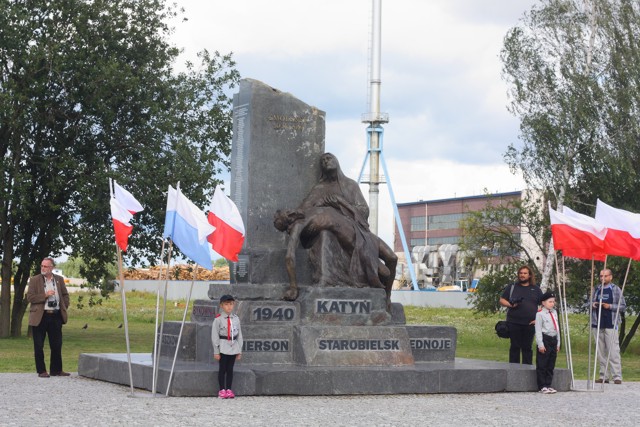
335, 205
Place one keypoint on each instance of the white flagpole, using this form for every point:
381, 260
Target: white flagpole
589, 380
184, 317
124, 300
124, 314
164, 310
155, 330
595, 364
565, 315
166, 284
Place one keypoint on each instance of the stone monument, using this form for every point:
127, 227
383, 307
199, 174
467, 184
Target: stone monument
314, 292
340, 313
277, 140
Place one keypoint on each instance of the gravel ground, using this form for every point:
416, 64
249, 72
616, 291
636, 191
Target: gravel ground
27, 400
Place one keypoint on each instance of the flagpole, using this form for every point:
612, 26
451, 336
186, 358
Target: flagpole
589, 384
164, 310
155, 330
184, 317
124, 300
124, 314
595, 362
166, 283
568, 348
561, 278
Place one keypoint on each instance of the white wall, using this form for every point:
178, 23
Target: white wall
431, 299
176, 289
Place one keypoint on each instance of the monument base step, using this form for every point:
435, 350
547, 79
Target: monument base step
201, 379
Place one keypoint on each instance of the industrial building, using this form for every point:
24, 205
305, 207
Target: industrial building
432, 233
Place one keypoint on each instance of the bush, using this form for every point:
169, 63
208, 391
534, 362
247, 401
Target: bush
487, 296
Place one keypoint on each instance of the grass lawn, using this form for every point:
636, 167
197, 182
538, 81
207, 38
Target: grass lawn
102, 334
476, 337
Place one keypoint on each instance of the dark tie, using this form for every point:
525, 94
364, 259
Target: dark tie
229, 328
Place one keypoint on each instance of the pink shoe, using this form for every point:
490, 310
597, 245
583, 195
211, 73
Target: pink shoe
222, 394
230, 394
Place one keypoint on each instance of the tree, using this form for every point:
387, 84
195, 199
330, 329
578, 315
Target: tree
485, 300
88, 92
506, 232
549, 65
221, 262
574, 80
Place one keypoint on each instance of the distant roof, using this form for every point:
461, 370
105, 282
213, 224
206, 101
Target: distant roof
482, 196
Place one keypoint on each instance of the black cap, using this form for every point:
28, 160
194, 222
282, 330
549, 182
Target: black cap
547, 295
224, 298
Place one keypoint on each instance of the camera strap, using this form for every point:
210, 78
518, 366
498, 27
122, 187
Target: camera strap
511, 294
51, 284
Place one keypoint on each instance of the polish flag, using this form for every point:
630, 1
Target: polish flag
577, 235
623, 238
123, 206
228, 237
121, 217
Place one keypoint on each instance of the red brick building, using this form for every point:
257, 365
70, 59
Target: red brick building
436, 222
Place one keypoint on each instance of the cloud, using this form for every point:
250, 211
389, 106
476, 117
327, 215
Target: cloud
440, 75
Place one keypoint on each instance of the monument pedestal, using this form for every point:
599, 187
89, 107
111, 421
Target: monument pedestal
201, 379
324, 327
322, 344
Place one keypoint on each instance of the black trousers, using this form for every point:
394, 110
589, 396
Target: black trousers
521, 341
225, 371
546, 362
51, 326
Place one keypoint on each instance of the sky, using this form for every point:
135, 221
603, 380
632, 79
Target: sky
440, 82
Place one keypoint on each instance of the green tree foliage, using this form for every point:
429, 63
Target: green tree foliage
485, 300
71, 267
506, 232
221, 262
74, 266
573, 76
574, 82
550, 67
88, 92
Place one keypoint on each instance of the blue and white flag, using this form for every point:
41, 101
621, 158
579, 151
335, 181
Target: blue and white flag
188, 228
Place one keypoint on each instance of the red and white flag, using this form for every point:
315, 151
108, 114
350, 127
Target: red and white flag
228, 237
123, 206
577, 235
121, 217
623, 238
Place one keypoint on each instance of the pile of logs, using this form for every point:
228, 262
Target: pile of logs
176, 272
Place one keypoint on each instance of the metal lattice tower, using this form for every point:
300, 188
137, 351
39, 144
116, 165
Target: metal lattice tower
374, 119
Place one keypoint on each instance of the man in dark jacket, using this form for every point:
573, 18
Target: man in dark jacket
522, 300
